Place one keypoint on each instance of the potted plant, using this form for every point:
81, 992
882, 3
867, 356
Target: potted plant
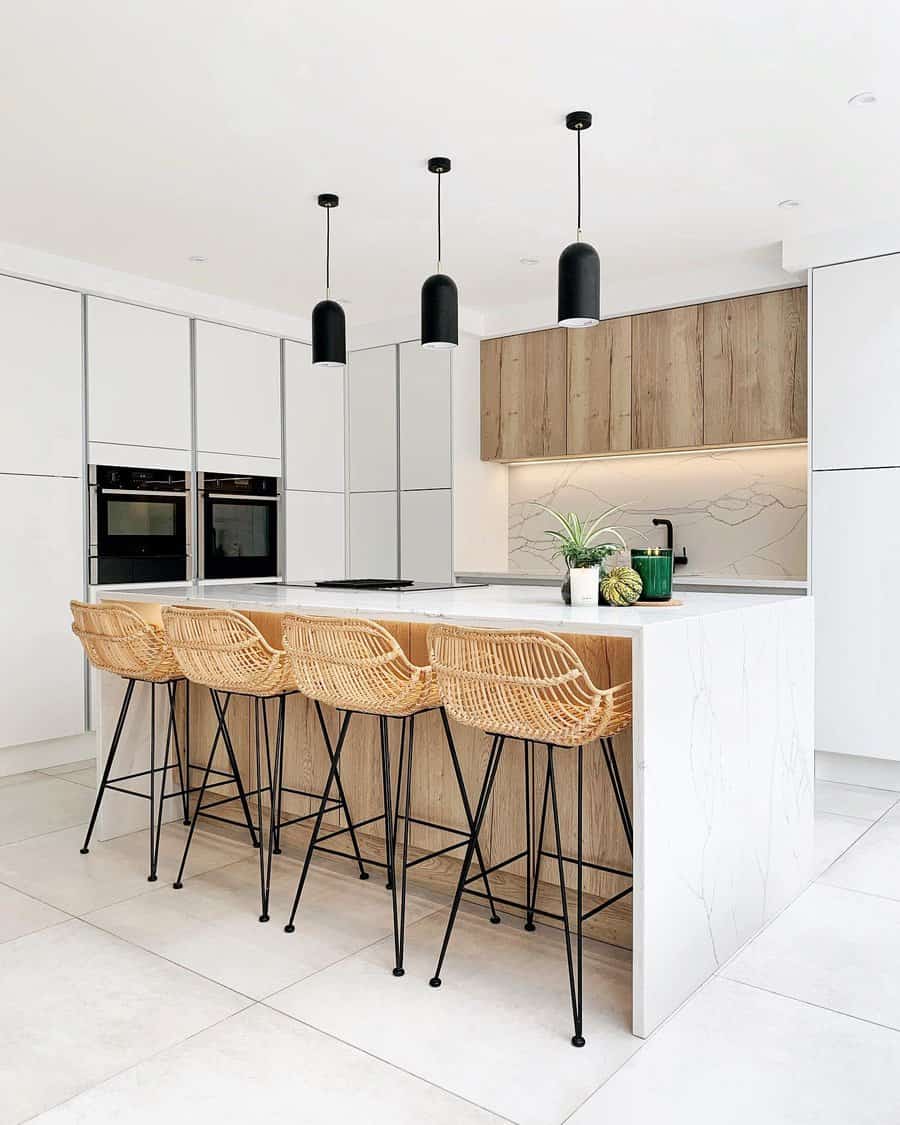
578, 542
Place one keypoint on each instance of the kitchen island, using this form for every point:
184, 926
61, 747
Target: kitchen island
718, 764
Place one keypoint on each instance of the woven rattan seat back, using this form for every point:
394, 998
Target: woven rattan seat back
117, 639
356, 665
225, 651
524, 683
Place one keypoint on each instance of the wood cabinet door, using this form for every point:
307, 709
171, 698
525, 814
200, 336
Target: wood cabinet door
523, 382
754, 368
598, 412
667, 378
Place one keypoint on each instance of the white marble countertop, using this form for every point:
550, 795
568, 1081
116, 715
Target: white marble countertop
493, 606
679, 581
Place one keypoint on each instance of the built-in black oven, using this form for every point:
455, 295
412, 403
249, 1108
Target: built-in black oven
238, 526
139, 524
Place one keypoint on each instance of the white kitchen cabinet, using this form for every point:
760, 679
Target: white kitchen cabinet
139, 375
853, 576
238, 391
855, 329
372, 382
41, 374
314, 535
373, 535
426, 535
425, 417
41, 569
313, 422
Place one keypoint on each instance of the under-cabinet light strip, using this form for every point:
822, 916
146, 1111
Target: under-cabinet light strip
687, 451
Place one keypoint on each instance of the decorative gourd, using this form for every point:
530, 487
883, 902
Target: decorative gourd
622, 586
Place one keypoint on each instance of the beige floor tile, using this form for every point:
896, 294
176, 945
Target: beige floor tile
32, 804
21, 914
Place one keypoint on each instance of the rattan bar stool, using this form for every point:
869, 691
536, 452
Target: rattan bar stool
357, 667
225, 652
531, 686
116, 639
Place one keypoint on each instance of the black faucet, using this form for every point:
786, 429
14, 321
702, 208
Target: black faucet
677, 560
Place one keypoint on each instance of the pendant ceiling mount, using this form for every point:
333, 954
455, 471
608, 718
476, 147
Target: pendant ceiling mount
578, 288
440, 300
329, 326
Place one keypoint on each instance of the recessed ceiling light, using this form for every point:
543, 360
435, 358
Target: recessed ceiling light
865, 97
197, 258
789, 203
530, 261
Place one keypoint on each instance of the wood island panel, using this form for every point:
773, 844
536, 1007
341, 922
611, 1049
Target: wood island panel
435, 795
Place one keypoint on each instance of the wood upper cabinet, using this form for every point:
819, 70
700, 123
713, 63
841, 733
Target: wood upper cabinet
523, 396
598, 362
754, 368
667, 378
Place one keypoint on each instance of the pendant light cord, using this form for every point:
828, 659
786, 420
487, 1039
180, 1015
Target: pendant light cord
327, 253
439, 222
578, 134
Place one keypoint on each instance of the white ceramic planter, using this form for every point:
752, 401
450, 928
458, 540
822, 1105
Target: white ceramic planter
584, 585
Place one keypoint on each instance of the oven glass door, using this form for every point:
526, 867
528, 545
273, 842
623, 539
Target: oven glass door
141, 526
240, 538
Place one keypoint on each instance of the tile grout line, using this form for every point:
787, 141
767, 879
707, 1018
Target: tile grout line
811, 1004
387, 1062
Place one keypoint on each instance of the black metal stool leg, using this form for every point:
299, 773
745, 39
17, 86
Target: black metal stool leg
172, 685
363, 874
113, 747
187, 750
389, 841
151, 878
332, 773
399, 776
265, 854
578, 1038
467, 809
197, 808
574, 982
410, 732
490, 774
279, 772
612, 768
539, 851
156, 827
528, 758
229, 749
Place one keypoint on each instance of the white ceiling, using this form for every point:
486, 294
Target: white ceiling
137, 133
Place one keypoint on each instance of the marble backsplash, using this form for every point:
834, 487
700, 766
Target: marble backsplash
738, 512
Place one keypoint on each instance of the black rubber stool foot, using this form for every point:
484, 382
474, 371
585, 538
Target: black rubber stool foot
277, 851
256, 843
152, 878
435, 982
264, 917
530, 926
186, 823
289, 929
495, 919
577, 1040
388, 886
363, 874
177, 886
84, 851
399, 972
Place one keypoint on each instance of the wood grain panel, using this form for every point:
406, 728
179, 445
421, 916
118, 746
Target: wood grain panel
754, 368
533, 394
490, 399
667, 378
598, 414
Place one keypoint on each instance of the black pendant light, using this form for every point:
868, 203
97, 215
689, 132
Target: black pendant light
578, 292
329, 328
440, 303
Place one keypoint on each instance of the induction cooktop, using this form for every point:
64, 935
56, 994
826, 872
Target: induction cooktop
392, 585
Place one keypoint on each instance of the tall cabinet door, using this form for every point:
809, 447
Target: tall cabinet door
856, 364
238, 391
41, 375
425, 417
373, 535
372, 383
41, 569
426, 535
139, 375
667, 378
857, 611
313, 422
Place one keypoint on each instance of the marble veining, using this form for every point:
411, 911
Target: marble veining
738, 512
